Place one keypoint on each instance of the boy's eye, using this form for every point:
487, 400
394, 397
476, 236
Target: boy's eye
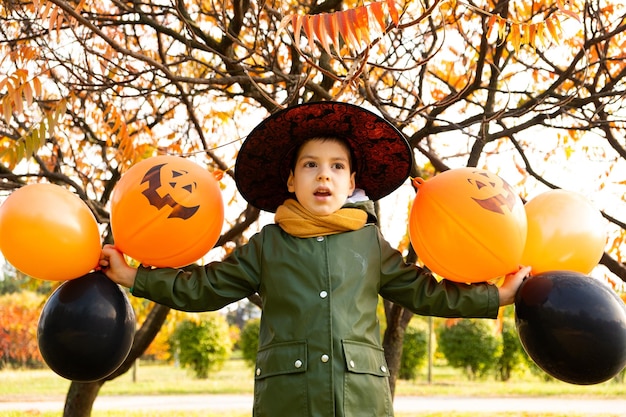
310, 164
338, 165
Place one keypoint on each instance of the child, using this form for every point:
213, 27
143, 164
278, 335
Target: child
320, 269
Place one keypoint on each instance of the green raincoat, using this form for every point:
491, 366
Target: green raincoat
320, 351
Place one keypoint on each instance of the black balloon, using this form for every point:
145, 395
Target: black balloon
86, 328
572, 326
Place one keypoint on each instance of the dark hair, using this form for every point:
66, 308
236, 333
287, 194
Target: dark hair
296, 153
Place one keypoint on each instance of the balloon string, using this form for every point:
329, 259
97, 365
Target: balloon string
185, 154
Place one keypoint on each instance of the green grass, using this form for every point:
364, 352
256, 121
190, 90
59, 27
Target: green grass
233, 378
236, 378
511, 389
521, 387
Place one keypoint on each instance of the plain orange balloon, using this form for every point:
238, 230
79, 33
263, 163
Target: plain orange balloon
166, 211
49, 233
565, 232
468, 225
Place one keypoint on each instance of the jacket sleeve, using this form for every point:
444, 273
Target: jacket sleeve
204, 288
418, 290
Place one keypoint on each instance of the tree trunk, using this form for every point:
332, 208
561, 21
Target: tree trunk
144, 336
80, 398
81, 395
397, 320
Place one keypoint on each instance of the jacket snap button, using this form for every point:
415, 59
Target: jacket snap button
298, 364
323, 294
351, 364
320, 238
258, 371
383, 368
325, 358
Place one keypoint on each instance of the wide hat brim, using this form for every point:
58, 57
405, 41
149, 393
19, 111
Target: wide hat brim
381, 153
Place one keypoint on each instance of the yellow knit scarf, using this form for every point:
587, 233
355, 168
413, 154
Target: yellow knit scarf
298, 221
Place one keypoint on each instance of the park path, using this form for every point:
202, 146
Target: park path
578, 406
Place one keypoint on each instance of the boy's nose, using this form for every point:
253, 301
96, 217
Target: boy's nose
323, 175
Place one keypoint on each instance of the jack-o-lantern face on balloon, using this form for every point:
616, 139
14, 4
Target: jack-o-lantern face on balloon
468, 225
172, 188
492, 193
166, 211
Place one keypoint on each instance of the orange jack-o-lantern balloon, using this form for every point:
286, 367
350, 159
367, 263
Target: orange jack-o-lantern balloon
166, 211
468, 225
565, 232
49, 233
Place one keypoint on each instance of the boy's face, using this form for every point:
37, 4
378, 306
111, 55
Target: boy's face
321, 179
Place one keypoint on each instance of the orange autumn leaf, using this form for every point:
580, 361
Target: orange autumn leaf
490, 24
353, 25
554, 28
515, 36
317, 21
27, 92
532, 31
376, 9
353, 21
345, 29
525, 34
296, 23
563, 10
539, 31
218, 174
362, 23
501, 31
37, 86
307, 26
330, 25
393, 11
79, 7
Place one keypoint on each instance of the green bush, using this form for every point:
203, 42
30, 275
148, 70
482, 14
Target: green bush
414, 349
471, 344
513, 354
202, 343
249, 341
535, 369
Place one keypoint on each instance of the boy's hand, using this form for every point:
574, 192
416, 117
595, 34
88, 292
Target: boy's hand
511, 284
113, 264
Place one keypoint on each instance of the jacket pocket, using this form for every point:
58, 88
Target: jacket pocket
366, 382
279, 380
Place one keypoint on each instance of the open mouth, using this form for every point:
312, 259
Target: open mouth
322, 192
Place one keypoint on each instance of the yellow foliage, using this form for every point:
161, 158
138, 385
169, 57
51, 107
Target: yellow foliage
515, 36
554, 27
235, 334
159, 349
21, 91
438, 94
491, 23
521, 32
